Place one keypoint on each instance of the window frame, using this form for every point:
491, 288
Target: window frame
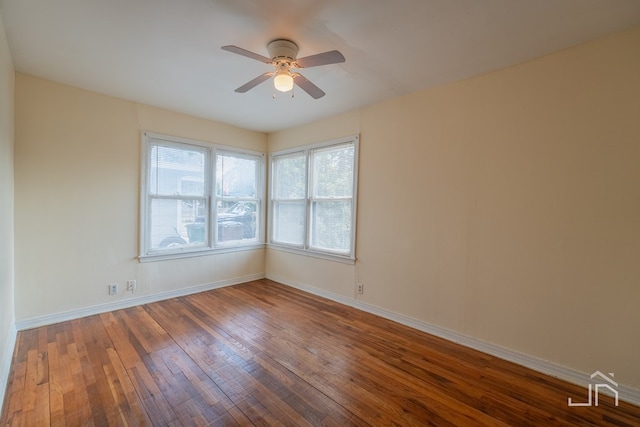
306, 248
211, 246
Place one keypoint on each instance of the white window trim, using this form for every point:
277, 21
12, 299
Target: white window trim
213, 246
305, 248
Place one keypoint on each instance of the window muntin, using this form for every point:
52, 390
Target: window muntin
313, 198
188, 186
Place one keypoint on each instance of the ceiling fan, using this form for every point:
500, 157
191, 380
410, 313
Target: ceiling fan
283, 56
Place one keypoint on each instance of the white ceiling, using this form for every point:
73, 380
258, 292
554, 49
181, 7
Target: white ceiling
167, 52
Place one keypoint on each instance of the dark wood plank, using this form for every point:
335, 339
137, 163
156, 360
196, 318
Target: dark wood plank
262, 353
173, 388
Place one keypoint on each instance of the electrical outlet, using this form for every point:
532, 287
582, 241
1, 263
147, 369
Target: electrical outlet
131, 286
113, 289
360, 288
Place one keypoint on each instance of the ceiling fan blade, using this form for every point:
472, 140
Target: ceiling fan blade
307, 86
247, 53
253, 83
326, 58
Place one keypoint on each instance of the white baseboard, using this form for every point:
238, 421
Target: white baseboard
626, 393
50, 319
5, 362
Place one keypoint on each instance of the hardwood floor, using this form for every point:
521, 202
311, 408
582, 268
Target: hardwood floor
262, 353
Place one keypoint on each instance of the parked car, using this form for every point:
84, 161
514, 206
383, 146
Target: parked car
242, 213
234, 223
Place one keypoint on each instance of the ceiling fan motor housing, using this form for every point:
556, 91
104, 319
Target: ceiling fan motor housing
283, 49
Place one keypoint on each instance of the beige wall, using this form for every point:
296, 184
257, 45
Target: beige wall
77, 163
504, 207
6, 209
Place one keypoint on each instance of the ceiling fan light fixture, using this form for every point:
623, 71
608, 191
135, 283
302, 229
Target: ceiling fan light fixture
283, 55
283, 81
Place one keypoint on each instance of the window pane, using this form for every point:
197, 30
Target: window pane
290, 177
333, 171
177, 223
177, 171
288, 222
331, 225
236, 176
237, 221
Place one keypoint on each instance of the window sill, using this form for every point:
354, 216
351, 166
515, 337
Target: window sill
344, 259
199, 252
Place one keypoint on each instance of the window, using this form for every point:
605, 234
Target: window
188, 186
313, 198
237, 202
